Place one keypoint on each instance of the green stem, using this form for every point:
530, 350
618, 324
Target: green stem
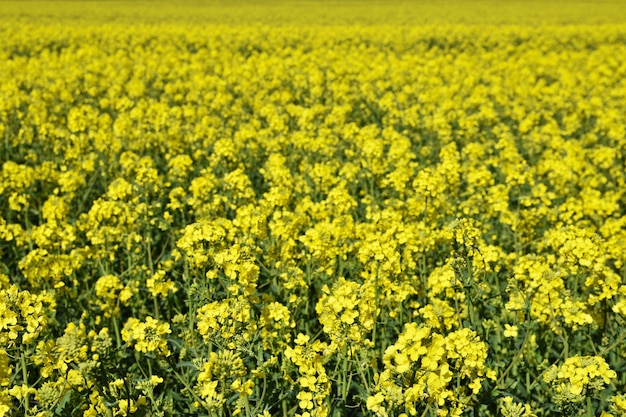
345, 368
187, 387
376, 304
156, 307
263, 390
116, 327
616, 343
24, 378
516, 359
363, 379
136, 356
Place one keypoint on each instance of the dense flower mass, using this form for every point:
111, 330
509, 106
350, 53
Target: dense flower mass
393, 209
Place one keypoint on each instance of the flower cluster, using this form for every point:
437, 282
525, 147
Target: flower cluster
575, 377
347, 314
222, 374
312, 379
425, 369
23, 316
277, 210
512, 409
147, 336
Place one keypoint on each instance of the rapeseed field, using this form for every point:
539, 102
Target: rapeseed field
312, 209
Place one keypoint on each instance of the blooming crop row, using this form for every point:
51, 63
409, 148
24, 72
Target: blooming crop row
270, 220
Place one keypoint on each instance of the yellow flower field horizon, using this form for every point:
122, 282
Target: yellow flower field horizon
312, 209
315, 12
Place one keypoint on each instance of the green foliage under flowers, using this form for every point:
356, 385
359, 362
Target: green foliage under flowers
213, 213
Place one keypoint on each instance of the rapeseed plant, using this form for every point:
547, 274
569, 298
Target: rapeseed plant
368, 216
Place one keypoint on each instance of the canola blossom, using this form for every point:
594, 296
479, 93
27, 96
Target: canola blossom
276, 209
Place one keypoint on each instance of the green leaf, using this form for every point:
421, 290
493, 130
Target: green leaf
62, 403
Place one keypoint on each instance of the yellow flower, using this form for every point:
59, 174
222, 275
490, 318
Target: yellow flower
147, 336
306, 400
157, 285
510, 331
576, 376
511, 409
20, 392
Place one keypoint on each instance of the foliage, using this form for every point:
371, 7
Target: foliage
311, 218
